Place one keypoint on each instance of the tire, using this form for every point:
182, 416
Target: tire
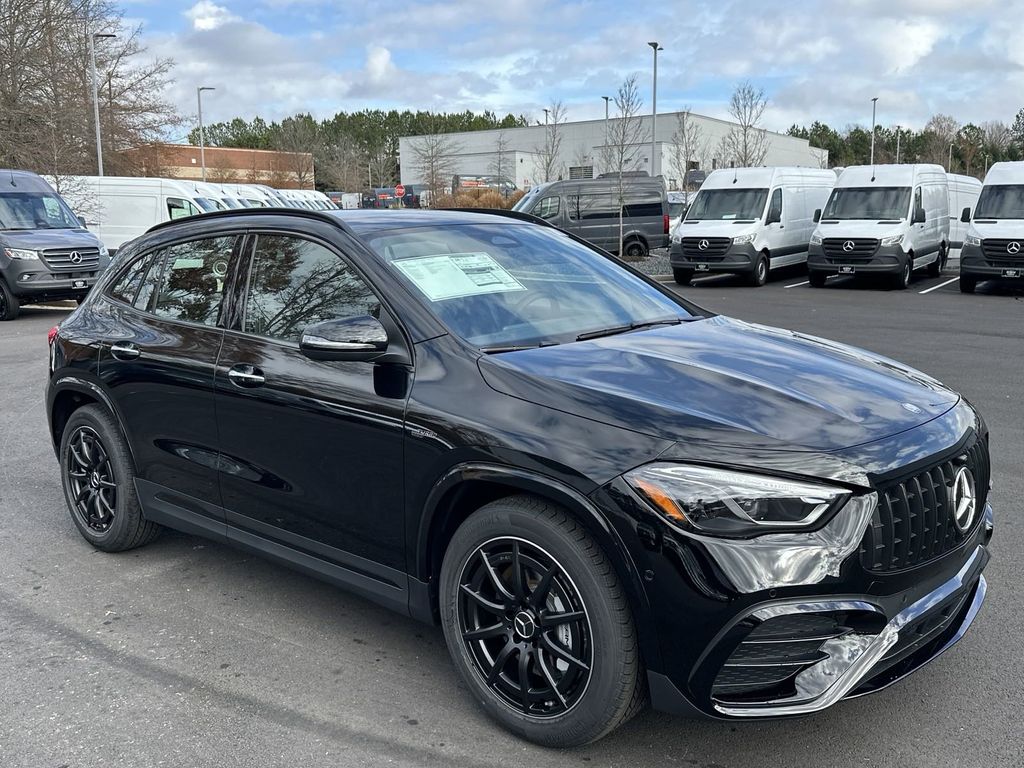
968, 284
817, 279
576, 704
902, 280
759, 275
936, 267
109, 515
9, 304
635, 249
682, 276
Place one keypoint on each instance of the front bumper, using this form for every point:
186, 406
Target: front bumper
34, 286
886, 260
974, 264
736, 259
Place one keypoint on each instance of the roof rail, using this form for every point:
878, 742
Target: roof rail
240, 213
519, 215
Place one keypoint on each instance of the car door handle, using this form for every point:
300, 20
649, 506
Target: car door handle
247, 376
124, 350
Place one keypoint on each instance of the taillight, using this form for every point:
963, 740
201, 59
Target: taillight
52, 335
665, 217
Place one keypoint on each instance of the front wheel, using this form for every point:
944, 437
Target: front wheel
759, 276
902, 280
817, 279
968, 284
538, 625
682, 276
936, 267
9, 304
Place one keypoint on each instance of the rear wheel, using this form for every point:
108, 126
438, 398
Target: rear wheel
902, 280
817, 279
759, 275
968, 284
635, 249
538, 625
682, 276
9, 304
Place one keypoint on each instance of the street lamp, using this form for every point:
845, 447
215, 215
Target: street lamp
202, 140
874, 102
898, 134
546, 112
96, 95
654, 106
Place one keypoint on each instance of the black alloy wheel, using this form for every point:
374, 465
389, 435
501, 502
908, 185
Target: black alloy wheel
91, 478
525, 627
635, 250
9, 304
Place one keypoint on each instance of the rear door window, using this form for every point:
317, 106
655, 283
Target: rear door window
547, 208
189, 283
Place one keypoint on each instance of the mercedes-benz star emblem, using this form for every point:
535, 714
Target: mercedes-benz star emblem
965, 501
525, 625
1013, 247
703, 245
75, 257
848, 246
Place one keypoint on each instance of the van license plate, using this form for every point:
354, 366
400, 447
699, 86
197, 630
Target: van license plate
847, 270
702, 267
1011, 273
78, 284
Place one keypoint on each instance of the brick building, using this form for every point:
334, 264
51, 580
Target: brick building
281, 170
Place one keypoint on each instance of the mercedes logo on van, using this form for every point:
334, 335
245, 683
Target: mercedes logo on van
848, 246
964, 498
1013, 247
75, 257
703, 245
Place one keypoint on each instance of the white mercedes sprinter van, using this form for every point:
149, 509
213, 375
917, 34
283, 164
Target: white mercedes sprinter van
963, 193
749, 221
883, 219
994, 243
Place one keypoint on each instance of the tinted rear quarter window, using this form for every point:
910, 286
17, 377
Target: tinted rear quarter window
190, 280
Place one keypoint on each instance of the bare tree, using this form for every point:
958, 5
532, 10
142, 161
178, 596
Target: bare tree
299, 138
688, 145
434, 160
626, 142
939, 133
501, 163
746, 143
996, 137
548, 152
343, 165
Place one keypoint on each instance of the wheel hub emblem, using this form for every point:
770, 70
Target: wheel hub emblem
849, 245
525, 625
703, 245
75, 257
1013, 247
965, 500
94, 479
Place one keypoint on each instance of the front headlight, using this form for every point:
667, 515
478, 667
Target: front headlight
104, 251
892, 240
22, 253
815, 239
724, 502
970, 239
742, 239
675, 237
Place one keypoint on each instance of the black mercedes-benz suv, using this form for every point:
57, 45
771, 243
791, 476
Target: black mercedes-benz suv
605, 495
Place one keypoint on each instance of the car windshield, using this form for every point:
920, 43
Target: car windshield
871, 203
726, 204
514, 285
35, 210
209, 205
1003, 201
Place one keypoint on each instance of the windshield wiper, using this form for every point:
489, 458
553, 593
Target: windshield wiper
626, 328
497, 350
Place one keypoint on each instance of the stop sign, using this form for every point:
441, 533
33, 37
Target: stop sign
400, 191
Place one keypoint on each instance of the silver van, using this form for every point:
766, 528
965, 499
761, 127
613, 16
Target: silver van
46, 254
589, 209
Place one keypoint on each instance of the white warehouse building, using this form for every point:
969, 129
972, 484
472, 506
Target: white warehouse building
474, 153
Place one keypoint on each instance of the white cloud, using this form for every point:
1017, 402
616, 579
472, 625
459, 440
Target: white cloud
206, 15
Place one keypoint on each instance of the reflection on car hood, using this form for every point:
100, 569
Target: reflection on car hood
726, 382
1006, 229
860, 228
43, 239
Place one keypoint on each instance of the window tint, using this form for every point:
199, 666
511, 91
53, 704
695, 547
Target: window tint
547, 208
127, 285
177, 208
190, 281
775, 207
599, 206
294, 283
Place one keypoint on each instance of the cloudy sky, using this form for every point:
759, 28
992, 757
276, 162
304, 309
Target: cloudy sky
815, 60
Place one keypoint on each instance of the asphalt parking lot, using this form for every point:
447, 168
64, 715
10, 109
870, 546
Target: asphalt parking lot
188, 653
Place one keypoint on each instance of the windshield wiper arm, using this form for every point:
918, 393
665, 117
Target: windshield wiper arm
626, 328
496, 350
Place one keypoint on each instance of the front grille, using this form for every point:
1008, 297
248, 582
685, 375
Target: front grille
996, 253
849, 250
914, 521
60, 259
714, 249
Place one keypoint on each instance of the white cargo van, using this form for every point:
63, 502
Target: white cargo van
250, 194
120, 208
749, 221
963, 193
994, 242
883, 219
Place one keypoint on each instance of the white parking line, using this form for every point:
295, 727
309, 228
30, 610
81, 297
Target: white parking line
797, 285
940, 285
709, 277
51, 306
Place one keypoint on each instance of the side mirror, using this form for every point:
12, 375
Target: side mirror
359, 339
919, 216
81, 220
817, 215
965, 216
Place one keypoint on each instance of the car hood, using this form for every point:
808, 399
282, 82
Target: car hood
1003, 229
858, 228
726, 382
711, 228
43, 239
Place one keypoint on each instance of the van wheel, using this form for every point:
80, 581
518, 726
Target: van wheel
8, 303
968, 284
635, 250
817, 279
682, 276
759, 275
936, 267
902, 280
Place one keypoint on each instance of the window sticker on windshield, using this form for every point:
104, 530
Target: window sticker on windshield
452, 275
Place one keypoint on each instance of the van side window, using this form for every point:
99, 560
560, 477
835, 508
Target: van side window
547, 208
598, 206
775, 206
177, 208
190, 283
643, 203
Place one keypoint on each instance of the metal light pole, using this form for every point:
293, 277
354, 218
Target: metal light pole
874, 102
96, 96
898, 134
202, 140
949, 163
654, 107
546, 112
